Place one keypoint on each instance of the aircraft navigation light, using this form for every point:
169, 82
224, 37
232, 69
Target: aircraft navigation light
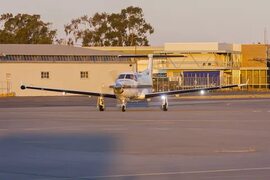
202, 92
163, 97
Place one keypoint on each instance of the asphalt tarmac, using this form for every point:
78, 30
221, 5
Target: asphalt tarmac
67, 138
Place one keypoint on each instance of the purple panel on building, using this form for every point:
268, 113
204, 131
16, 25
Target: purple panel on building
202, 78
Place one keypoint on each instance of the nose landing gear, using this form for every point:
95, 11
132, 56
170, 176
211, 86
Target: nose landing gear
123, 105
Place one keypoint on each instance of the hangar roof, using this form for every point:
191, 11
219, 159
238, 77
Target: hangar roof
49, 49
56, 53
202, 47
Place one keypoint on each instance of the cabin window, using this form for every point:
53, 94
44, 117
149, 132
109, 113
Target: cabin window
84, 74
45, 75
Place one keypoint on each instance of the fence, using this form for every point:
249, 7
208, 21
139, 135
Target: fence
198, 82
177, 83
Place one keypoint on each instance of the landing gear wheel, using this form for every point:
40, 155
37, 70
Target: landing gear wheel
123, 108
164, 107
100, 104
101, 108
165, 103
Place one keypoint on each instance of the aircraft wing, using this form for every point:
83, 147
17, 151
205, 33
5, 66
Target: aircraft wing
150, 95
69, 91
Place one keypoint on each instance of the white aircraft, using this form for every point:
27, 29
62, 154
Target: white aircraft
132, 86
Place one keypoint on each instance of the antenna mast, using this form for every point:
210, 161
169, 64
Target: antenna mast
265, 36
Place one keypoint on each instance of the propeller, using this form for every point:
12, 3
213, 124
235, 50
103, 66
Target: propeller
118, 88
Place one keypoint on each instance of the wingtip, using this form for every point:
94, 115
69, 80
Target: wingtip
240, 85
247, 82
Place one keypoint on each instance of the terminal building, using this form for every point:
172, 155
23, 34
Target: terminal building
206, 64
95, 68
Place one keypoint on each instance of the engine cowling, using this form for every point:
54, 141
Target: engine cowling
141, 96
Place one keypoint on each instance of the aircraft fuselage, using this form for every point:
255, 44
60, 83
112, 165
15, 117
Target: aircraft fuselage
130, 89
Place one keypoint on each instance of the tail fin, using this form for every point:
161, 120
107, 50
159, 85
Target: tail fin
149, 69
150, 64
147, 73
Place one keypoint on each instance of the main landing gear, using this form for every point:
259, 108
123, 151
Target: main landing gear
100, 104
164, 105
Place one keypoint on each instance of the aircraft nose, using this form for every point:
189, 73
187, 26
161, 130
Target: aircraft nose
118, 88
118, 85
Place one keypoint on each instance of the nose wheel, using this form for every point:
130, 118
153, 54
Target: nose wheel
123, 107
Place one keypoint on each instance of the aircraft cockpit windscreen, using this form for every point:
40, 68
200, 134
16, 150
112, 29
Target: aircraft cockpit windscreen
128, 76
121, 76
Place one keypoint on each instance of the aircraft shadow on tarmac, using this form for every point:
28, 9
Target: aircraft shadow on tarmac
30, 156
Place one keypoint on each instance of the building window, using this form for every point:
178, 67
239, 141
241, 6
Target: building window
45, 75
84, 74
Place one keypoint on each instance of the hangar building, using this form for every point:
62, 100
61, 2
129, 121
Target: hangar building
57, 66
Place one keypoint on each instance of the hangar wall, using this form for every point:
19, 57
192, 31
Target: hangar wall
254, 66
61, 75
57, 66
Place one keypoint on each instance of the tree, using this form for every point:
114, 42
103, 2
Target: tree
127, 28
25, 29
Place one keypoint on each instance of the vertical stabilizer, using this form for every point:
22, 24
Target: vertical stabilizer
146, 75
150, 63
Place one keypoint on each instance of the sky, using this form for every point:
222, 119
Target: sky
231, 21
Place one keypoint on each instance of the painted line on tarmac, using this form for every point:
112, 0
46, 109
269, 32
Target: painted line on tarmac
257, 111
160, 129
81, 127
176, 173
52, 128
114, 129
75, 128
249, 150
41, 129
178, 120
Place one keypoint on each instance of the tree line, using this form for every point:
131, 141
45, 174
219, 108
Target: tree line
126, 28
